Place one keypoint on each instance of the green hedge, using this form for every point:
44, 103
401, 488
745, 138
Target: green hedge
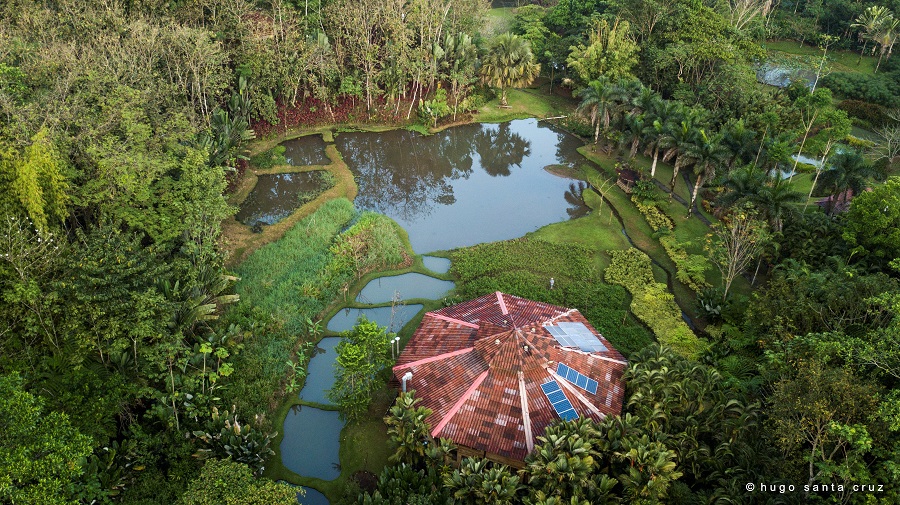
874, 114
656, 218
651, 302
880, 89
523, 267
690, 268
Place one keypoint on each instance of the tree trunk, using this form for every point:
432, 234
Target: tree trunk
694, 194
799, 152
816, 179
655, 158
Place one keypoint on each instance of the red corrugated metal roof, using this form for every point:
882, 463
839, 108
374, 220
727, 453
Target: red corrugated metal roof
470, 362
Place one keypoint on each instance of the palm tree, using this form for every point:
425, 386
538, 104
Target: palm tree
708, 153
625, 92
645, 101
740, 141
508, 64
658, 133
476, 484
775, 199
849, 172
458, 65
776, 151
632, 133
868, 22
886, 37
740, 185
563, 463
408, 430
683, 143
599, 99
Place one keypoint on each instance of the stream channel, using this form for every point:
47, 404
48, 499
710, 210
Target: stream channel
464, 186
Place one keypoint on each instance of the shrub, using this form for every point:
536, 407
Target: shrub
691, 268
651, 302
874, 114
270, 158
876, 89
373, 243
655, 217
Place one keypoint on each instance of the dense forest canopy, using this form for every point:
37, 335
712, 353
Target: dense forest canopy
126, 359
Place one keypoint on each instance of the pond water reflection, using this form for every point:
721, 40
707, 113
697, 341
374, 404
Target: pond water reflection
306, 150
466, 185
311, 442
275, 196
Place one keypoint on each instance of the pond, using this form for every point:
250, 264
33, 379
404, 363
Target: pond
320, 372
311, 442
275, 197
468, 184
307, 150
436, 264
781, 75
346, 319
312, 497
411, 285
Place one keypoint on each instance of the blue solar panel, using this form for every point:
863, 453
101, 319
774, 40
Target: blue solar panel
569, 415
558, 400
549, 387
577, 378
556, 396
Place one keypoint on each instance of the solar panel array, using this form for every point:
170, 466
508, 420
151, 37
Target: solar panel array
577, 378
576, 335
561, 404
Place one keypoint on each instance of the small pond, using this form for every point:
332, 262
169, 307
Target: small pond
307, 150
407, 286
345, 319
320, 373
312, 497
781, 76
308, 451
467, 184
275, 196
436, 264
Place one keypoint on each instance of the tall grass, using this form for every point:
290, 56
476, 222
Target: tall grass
282, 278
287, 282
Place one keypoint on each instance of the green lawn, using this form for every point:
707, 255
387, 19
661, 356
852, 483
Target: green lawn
498, 21
523, 103
599, 229
840, 61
